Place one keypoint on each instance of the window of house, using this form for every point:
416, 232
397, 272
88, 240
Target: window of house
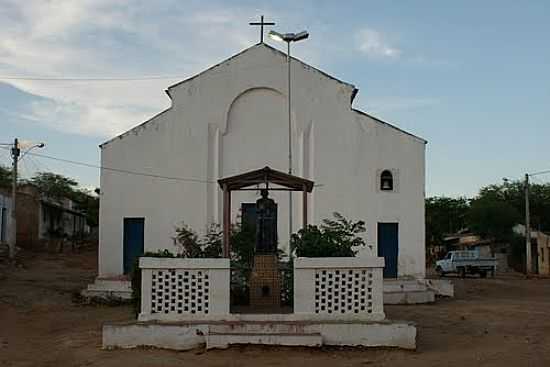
386, 181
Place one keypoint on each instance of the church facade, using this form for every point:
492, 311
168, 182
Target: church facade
232, 118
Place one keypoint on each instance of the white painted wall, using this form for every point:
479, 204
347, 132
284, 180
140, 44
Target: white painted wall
232, 119
5, 222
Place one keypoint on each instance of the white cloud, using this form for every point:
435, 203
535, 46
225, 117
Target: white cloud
372, 43
102, 38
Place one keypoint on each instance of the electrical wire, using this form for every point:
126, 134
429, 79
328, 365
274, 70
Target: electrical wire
209, 73
539, 173
183, 179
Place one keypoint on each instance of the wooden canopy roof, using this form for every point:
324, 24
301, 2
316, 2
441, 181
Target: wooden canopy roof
263, 176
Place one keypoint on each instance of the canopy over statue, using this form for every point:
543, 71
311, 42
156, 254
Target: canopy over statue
266, 241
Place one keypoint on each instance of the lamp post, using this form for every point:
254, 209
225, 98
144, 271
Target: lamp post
289, 38
16, 156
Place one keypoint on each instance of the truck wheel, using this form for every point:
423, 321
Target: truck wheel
439, 271
483, 274
462, 272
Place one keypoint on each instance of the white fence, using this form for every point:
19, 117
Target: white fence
178, 289
339, 288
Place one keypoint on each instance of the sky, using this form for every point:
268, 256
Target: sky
470, 77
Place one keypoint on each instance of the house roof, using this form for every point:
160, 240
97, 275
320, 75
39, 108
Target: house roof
275, 50
263, 176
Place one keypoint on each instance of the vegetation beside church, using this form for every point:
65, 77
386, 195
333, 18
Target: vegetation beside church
492, 214
333, 238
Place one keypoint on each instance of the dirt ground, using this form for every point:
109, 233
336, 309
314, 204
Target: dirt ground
491, 322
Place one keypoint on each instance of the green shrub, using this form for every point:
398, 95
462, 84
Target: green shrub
333, 238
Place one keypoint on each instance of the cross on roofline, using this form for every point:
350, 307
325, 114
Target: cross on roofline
261, 23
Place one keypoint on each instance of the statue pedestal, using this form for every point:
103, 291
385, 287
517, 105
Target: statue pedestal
265, 282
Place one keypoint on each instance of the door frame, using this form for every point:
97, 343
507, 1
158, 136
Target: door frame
378, 238
124, 261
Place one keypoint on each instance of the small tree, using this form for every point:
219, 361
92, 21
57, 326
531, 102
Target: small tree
89, 204
191, 245
333, 238
493, 219
54, 186
5, 176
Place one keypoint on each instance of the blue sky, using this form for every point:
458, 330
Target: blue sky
471, 77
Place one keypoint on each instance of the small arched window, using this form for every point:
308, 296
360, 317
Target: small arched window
386, 181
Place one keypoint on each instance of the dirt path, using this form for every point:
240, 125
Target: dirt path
491, 322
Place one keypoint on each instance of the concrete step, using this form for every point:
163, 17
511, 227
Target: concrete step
224, 340
409, 297
399, 285
188, 335
258, 327
108, 289
110, 285
107, 295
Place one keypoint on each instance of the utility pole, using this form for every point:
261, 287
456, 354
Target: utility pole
288, 38
15, 152
528, 267
290, 206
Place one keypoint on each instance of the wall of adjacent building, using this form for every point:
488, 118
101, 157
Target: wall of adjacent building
543, 246
233, 119
5, 216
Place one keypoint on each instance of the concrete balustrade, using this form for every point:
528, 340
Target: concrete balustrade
175, 289
339, 288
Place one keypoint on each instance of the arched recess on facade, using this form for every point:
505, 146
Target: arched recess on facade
243, 94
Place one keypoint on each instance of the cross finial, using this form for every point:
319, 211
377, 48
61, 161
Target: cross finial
261, 23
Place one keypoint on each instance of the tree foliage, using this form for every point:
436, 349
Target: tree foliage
57, 187
333, 238
5, 176
54, 186
444, 215
492, 218
190, 244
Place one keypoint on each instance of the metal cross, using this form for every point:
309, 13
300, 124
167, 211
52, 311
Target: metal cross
261, 23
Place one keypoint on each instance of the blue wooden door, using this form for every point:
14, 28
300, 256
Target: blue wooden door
133, 241
388, 247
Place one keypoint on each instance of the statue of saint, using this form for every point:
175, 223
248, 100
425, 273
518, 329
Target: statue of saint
266, 225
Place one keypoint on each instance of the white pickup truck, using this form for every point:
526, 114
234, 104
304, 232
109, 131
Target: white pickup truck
466, 262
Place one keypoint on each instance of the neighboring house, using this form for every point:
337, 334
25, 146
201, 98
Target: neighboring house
232, 118
40, 218
5, 215
468, 241
484, 247
543, 247
540, 244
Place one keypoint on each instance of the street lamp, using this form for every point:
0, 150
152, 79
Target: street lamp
289, 38
15, 154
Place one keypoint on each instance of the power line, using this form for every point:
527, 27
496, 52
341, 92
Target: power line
89, 79
139, 78
539, 173
89, 165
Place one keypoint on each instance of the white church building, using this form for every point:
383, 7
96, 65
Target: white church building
232, 118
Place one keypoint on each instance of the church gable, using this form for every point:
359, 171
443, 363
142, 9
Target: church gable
252, 59
218, 94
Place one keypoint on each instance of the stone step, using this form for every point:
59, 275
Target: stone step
224, 340
109, 289
106, 295
409, 297
110, 285
397, 285
259, 327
